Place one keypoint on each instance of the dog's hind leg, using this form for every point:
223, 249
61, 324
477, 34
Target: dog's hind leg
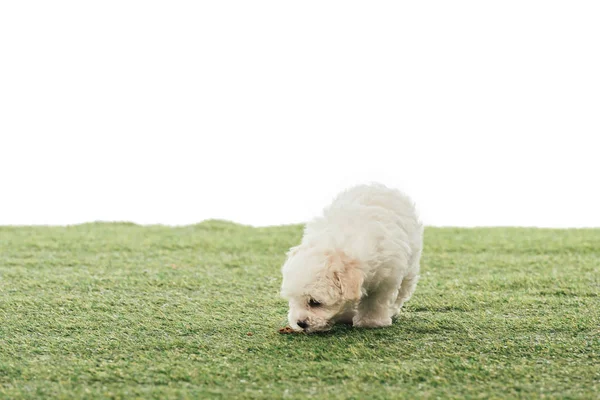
409, 283
406, 290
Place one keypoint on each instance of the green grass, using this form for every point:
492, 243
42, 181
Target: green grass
124, 311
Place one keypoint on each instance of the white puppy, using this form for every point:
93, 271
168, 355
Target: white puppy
358, 263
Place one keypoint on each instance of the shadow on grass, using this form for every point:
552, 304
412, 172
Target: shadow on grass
439, 309
413, 326
567, 293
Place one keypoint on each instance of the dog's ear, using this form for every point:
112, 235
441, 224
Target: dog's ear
346, 275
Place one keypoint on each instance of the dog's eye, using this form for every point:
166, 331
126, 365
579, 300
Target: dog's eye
313, 303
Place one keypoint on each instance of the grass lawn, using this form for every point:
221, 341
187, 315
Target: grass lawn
124, 311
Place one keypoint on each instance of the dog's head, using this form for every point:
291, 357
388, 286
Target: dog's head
320, 285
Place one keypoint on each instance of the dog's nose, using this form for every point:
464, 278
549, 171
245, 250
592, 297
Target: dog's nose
302, 324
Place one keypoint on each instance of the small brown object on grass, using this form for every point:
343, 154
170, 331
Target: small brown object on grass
287, 330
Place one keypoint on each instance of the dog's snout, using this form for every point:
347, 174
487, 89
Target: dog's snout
302, 324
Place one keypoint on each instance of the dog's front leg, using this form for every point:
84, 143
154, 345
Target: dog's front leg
374, 309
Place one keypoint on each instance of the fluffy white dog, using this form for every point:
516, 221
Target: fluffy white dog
358, 263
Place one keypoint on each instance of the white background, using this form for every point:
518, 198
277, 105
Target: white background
486, 113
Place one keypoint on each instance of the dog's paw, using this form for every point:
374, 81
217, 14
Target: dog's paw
366, 322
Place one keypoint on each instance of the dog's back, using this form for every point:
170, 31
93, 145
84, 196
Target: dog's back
376, 195
363, 213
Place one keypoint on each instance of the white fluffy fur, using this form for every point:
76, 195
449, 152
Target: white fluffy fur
360, 261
